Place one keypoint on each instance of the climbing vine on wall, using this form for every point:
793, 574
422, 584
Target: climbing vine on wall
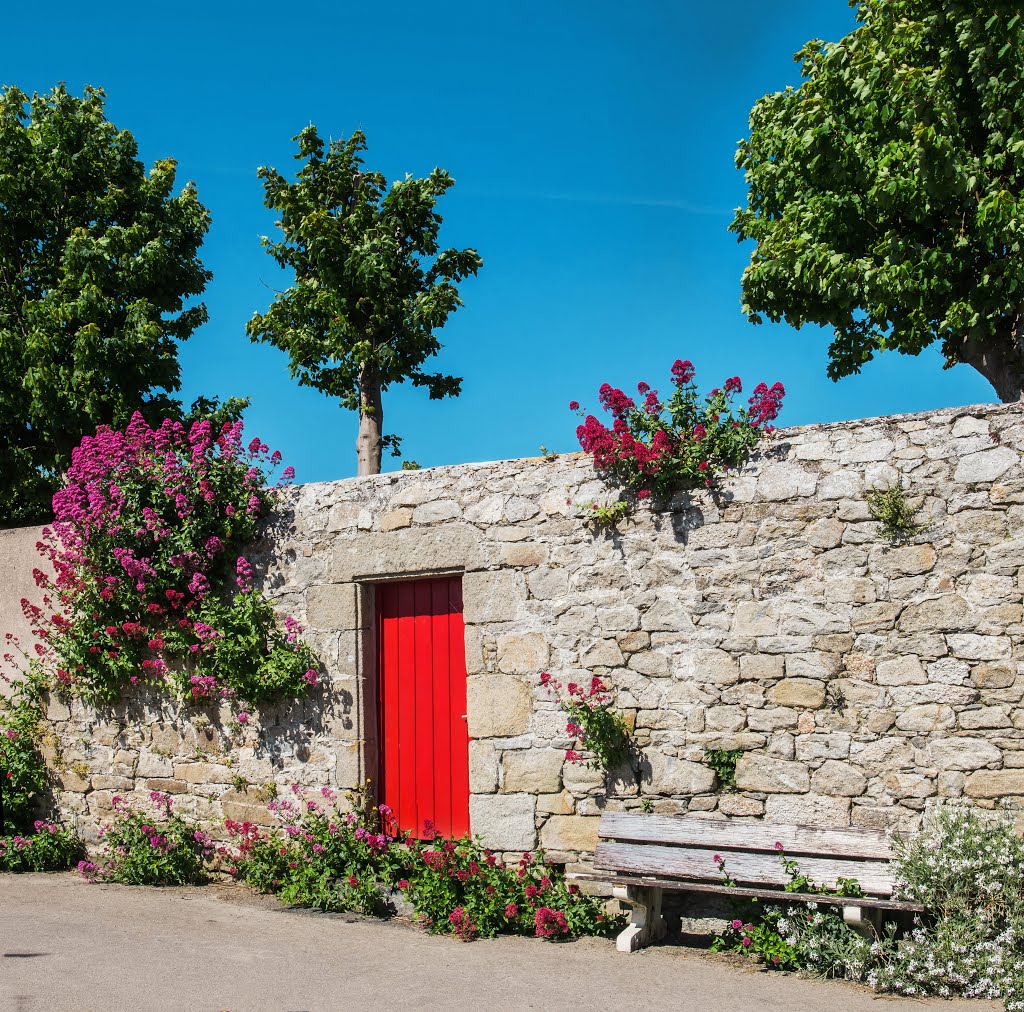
152, 584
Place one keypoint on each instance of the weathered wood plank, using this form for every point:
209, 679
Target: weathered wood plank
753, 892
697, 863
752, 836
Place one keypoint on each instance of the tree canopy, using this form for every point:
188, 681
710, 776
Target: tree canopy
371, 286
97, 262
886, 192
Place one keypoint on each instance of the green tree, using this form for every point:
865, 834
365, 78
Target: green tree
370, 286
97, 260
885, 193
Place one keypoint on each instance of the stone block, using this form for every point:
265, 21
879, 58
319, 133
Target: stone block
737, 805
780, 481
949, 613
755, 618
972, 647
724, 718
808, 810
632, 642
906, 670
803, 692
664, 774
203, 773
926, 717
761, 666
993, 676
548, 584
824, 533
985, 717
555, 804
504, 821
492, 596
667, 614
908, 560
532, 770
395, 520
570, 833
995, 784
988, 465
715, 666
436, 512
244, 807
523, 554
523, 653
498, 706
332, 606
838, 779
757, 772
777, 718
454, 545
152, 765
483, 767
603, 653
618, 618
963, 753
168, 785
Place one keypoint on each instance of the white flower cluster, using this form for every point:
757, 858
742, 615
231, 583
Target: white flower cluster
967, 869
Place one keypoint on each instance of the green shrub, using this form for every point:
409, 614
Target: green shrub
150, 848
50, 848
335, 859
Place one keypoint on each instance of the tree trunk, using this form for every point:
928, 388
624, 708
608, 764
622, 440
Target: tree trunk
1000, 359
371, 422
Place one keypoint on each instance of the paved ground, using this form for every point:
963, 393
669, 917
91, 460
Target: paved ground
65, 944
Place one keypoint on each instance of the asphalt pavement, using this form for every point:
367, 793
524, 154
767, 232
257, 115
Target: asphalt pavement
69, 945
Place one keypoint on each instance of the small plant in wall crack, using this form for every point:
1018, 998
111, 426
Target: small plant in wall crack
723, 763
605, 517
897, 519
592, 721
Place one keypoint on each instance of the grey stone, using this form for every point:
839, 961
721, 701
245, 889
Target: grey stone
782, 481
504, 821
808, 810
838, 779
497, 706
665, 774
492, 596
523, 653
334, 606
963, 753
988, 465
532, 770
756, 772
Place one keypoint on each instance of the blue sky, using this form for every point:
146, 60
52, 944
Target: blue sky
593, 150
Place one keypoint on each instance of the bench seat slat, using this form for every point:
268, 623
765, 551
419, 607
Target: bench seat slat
753, 836
682, 885
763, 869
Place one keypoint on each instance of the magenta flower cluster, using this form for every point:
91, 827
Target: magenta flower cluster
659, 445
152, 583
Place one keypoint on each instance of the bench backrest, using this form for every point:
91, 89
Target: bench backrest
684, 848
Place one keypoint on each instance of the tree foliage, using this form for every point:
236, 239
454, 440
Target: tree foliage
885, 193
371, 287
97, 261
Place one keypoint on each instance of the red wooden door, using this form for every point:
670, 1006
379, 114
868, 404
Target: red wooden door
421, 705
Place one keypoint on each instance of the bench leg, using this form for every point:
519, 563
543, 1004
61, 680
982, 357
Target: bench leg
866, 920
646, 925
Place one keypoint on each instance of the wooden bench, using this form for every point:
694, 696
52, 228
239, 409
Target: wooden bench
644, 855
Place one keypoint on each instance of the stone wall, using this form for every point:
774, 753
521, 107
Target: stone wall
859, 680
18, 557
